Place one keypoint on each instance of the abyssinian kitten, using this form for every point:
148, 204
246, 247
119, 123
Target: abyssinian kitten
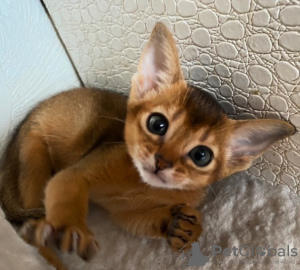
71, 149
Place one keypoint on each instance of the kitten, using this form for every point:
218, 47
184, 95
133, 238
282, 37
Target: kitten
71, 149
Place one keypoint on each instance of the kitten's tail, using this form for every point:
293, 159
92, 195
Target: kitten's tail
10, 200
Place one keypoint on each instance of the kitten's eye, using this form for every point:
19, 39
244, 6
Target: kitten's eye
201, 155
157, 124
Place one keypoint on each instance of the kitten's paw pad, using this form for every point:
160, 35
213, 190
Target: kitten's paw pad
184, 228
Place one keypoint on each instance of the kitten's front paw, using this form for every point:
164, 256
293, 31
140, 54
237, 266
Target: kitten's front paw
184, 227
68, 239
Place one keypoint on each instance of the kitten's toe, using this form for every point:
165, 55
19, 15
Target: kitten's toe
81, 241
27, 231
37, 232
88, 250
184, 228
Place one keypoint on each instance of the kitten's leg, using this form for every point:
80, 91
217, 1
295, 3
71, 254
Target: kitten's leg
66, 205
179, 224
35, 171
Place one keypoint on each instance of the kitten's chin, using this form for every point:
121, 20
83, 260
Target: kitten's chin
155, 180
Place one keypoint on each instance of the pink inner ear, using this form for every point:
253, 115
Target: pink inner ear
246, 147
253, 137
148, 71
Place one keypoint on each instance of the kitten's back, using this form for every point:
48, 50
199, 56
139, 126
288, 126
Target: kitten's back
99, 117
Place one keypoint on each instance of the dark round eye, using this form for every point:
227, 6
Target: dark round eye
201, 155
157, 124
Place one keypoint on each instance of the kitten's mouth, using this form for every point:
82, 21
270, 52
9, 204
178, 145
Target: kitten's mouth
152, 178
155, 174
161, 179
156, 179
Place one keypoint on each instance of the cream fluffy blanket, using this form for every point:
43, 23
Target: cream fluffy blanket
239, 211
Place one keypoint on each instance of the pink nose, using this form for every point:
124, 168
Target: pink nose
161, 163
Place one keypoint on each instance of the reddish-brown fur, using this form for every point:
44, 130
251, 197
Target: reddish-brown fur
70, 149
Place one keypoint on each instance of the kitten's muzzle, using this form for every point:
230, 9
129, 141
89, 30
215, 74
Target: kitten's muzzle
161, 163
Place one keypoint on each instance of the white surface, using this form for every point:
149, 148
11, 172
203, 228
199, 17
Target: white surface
244, 212
33, 64
245, 52
15, 254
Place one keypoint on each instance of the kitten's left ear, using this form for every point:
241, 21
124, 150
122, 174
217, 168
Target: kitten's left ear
249, 139
159, 63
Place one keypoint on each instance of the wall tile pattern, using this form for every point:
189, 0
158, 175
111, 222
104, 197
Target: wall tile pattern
245, 53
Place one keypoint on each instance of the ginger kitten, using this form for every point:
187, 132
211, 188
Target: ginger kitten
70, 149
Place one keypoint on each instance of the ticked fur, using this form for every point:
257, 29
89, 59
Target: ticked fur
71, 149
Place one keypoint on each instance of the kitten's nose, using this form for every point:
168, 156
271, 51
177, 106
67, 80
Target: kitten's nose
161, 163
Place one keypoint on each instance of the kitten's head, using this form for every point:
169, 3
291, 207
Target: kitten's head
179, 136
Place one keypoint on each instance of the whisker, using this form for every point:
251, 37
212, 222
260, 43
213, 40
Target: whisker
213, 191
113, 118
49, 136
53, 136
114, 143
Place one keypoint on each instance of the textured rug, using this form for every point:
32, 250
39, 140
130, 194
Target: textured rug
246, 219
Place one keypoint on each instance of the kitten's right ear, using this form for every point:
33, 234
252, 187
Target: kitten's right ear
159, 63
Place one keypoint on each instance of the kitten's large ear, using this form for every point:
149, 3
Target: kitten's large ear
159, 63
251, 138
